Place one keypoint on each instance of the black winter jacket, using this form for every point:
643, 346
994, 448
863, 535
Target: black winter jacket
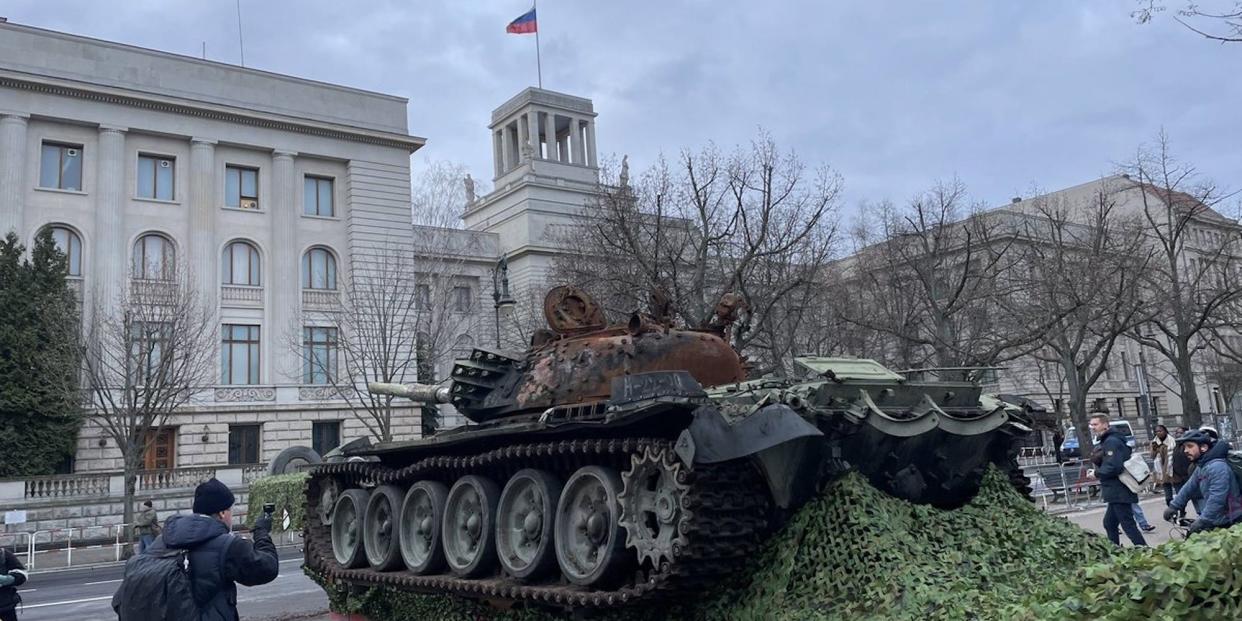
219, 561
1112, 453
11, 565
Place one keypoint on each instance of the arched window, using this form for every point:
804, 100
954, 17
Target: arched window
240, 264
154, 258
69, 243
318, 269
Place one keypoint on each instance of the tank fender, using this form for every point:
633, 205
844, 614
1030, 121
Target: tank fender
783, 444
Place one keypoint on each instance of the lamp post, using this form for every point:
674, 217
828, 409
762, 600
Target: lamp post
500, 292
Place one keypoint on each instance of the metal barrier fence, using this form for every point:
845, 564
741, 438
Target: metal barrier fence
1071, 481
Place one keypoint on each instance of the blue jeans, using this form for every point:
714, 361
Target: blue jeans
1139, 517
145, 541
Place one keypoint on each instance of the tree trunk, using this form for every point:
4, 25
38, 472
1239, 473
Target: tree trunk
131, 488
1192, 415
1075, 385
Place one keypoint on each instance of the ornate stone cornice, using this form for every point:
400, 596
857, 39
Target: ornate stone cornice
214, 112
245, 394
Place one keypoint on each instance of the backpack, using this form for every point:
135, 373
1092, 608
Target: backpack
156, 587
1234, 459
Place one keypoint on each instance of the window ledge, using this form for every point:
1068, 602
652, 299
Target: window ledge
59, 191
227, 208
312, 217
144, 199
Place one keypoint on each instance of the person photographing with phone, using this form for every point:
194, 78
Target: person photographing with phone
193, 569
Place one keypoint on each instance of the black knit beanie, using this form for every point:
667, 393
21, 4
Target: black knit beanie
212, 497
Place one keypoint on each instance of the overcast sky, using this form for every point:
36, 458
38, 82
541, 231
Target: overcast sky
1003, 94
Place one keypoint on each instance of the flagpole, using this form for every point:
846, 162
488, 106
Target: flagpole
538, 60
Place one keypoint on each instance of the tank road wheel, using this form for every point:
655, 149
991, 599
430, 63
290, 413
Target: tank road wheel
422, 515
469, 526
329, 492
379, 538
651, 505
347, 519
526, 519
590, 543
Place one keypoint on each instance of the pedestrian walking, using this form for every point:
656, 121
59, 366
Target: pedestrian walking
12, 575
156, 585
146, 526
1179, 465
1212, 482
1110, 456
1162, 448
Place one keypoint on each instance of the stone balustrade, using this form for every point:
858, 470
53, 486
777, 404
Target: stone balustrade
67, 486
173, 478
320, 299
240, 295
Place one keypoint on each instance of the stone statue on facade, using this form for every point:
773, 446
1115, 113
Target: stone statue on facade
470, 196
624, 180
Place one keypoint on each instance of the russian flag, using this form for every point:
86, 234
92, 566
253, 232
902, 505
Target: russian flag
525, 24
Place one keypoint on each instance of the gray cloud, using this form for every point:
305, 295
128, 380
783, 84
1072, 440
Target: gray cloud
894, 95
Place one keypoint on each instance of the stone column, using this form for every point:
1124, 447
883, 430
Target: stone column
498, 148
532, 124
590, 145
549, 136
284, 281
112, 254
13, 180
201, 201
506, 153
575, 140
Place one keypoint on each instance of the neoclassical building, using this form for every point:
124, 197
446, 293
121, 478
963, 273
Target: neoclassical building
267, 188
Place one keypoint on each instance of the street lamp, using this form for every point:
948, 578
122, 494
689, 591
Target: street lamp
500, 292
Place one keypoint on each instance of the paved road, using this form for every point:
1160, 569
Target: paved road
1093, 520
85, 595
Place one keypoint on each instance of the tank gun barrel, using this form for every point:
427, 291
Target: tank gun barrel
422, 393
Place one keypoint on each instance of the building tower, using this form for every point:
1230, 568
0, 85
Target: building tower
543, 146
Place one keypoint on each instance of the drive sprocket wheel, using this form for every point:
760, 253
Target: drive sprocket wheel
653, 505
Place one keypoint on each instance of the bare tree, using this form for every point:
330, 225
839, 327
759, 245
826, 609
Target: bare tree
1191, 282
400, 309
933, 279
1083, 268
755, 223
145, 355
1223, 24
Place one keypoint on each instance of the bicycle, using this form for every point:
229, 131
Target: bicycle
1181, 529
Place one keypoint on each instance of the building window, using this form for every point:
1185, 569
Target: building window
461, 299
146, 347
1121, 407
240, 265
69, 243
325, 436
422, 297
241, 187
154, 258
156, 175
318, 269
319, 362
243, 444
239, 354
317, 197
61, 166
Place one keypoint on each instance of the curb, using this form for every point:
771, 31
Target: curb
94, 566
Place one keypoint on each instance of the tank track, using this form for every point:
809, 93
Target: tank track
725, 515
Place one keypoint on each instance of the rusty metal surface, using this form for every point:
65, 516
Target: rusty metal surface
582, 368
569, 309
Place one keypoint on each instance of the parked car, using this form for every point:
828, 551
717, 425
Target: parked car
1069, 447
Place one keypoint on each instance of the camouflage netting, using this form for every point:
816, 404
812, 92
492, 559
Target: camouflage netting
856, 553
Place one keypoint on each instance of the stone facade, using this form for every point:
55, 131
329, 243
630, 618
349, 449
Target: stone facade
199, 156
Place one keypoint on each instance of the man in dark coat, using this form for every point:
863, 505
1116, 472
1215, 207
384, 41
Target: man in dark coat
12, 575
218, 560
1110, 456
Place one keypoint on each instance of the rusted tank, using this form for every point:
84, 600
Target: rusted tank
622, 465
